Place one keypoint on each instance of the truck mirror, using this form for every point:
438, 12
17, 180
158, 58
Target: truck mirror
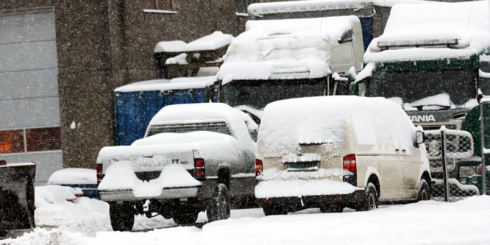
419, 138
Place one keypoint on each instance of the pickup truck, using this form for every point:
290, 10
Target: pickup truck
193, 158
16, 198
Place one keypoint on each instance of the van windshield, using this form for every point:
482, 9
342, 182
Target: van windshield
410, 86
258, 94
217, 127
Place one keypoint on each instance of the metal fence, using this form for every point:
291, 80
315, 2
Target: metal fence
453, 166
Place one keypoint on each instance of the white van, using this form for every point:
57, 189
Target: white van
336, 152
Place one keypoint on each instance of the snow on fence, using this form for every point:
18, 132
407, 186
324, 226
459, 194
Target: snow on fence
447, 150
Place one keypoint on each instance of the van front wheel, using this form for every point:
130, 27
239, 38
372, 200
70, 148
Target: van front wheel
371, 199
424, 191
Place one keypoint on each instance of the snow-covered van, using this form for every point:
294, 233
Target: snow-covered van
290, 58
336, 152
432, 59
194, 157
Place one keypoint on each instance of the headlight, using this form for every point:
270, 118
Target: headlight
474, 180
463, 181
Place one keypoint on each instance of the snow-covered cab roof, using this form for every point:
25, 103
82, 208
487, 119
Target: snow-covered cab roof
201, 113
432, 31
288, 49
288, 124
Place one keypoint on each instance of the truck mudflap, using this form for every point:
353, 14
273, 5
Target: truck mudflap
16, 196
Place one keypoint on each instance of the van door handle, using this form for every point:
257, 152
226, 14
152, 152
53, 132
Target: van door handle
397, 150
403, 150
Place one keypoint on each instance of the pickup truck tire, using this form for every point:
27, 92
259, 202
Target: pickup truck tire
219, 206
371, 199
187, 217
424, 191
122, 217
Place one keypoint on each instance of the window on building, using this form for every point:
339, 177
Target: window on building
11, 141
43, 139
158, 4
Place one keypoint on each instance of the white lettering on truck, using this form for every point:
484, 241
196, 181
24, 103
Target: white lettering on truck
423, 118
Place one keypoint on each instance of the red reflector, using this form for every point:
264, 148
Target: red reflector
350, 163
479, 170
200, 167
99, 172
259, 167
3, 162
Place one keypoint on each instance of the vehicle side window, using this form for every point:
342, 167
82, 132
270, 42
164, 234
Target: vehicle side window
253, 134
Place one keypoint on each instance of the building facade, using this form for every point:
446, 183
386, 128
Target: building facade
61, 60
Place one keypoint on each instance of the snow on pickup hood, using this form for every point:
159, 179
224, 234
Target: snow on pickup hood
197, 137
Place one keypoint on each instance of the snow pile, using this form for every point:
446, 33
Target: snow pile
49, 237
285, 49
464, 26
287, 124
120, 176
180, 59
434, 102
168, 84
58, 207
73, 176
213, 41
319, 5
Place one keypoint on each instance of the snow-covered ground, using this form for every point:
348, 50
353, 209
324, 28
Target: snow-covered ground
86, 221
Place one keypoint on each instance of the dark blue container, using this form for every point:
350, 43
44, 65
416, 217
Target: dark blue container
133, 111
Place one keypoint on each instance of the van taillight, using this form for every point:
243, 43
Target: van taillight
259, 167
350, 163
200, 167
99, 173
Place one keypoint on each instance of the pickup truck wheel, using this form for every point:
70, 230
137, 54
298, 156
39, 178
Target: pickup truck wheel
371, 199
186, 217
122, 216
424, 191
219, 206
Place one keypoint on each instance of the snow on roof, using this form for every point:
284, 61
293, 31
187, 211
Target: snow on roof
168, 84
318, 5
213, 41
284, 49
464, 26
173, 84
328, 120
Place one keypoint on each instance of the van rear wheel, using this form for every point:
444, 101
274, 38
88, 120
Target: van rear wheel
371, 198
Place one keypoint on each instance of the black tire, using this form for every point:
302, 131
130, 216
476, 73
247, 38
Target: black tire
424, 191
186, 217
371, 199
219, 206
272, 209
122, 216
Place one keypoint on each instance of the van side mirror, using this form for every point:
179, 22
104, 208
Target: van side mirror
419, 138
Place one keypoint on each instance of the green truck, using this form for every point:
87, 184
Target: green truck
435, 70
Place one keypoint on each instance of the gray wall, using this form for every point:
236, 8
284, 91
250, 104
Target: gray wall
29, 81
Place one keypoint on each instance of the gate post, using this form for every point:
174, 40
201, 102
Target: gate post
444, 168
